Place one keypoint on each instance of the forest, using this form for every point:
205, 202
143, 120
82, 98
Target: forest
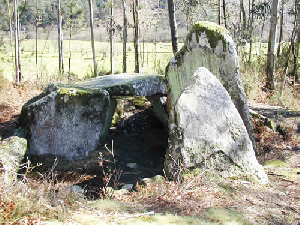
45, 42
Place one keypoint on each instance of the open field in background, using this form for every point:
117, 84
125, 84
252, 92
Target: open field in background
252, 73
82, 61
82, 58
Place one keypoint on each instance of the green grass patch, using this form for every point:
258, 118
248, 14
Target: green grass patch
167, 219
292, 174
108, 205
275, 163
225, 216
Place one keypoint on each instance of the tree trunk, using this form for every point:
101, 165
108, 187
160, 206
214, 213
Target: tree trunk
36, 34
224, 13
297, 7
92, 36
280, 28
16, 34
261, 35
36, 39
124, 37
250, 27
271, 47
286, 66
10, 31
19, 48
173, 26
10, 24
136, 34
60, 40
219, 12
70, 38
243, 19
111, 38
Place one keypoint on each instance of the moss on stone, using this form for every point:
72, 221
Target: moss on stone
214, 34
213, 31
139, 101
73, 91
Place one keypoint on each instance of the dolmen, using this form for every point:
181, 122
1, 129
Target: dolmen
209, 123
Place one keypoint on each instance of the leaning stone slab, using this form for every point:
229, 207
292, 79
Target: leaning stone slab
12, 151
206, 131
209, 45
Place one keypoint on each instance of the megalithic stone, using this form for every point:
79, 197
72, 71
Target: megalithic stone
209, 45
201, 134
206, 131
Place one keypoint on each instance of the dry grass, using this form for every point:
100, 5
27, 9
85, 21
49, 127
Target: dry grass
11, 101
202, 198
31, 200
254, 75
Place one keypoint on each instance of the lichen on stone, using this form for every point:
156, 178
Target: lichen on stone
213, 31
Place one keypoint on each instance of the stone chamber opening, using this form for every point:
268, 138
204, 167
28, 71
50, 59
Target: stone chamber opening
138, 138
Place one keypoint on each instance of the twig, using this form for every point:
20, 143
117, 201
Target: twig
137, 215
268, 122
192, 181
282, 178
178, 170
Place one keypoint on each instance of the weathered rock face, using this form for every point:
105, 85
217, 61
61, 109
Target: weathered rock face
12, 151
127, 84
71, 121
66, 122
207, 131
159, 107
209, 45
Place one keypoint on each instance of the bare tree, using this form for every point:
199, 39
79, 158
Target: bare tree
280, 28
36, 33
173, 26
250, 27
297, 39
92, 36
124, 37
136, 34
60, 39
10, 22
111, 37
219, 12
17, 47
243, 19
224, 13
271, 47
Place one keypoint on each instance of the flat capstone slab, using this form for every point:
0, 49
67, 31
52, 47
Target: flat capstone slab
126, 84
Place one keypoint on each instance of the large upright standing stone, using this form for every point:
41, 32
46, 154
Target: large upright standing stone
206, 131
209, 45
209, 120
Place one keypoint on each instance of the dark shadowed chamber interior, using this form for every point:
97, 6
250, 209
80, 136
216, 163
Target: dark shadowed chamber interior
138, 139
